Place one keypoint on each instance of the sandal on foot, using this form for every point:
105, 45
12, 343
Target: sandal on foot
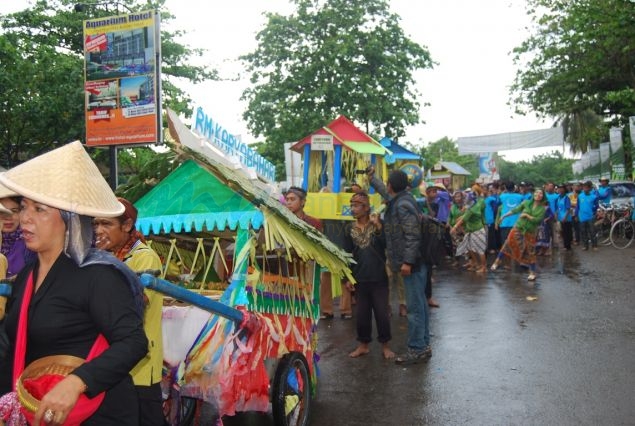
413, 357
493, 267
531, 277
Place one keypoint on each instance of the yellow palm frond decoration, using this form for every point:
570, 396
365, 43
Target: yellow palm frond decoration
279, 235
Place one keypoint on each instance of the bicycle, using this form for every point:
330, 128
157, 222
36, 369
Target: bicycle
607, 215
623, 231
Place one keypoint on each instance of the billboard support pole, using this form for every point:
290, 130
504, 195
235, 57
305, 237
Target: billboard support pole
114, 168
157, 75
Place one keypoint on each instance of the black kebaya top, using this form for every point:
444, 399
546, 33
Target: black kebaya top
69, 310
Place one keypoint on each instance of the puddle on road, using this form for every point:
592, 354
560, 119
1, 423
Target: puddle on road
566, 263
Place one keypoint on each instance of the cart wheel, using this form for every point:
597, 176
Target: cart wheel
185, 414
291, 394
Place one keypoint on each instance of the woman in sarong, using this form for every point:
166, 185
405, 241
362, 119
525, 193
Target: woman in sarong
521, 241
456, 211
475, 240
543, 236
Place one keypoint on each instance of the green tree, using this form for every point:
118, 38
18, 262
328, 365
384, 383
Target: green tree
328, 58
42, 96
583, 130
540, 169
578, 64
551, 167
446, 149
141, 169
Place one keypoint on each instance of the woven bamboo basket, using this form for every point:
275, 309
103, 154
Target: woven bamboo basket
61, 365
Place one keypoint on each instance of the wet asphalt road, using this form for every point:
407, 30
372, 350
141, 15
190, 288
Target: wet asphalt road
560, 351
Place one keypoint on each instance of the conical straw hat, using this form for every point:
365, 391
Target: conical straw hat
6, 192
67, 179
5, 213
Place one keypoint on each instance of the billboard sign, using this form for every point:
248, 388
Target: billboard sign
122, 79
487, 167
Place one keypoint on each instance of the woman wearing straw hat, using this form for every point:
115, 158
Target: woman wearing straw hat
73, 302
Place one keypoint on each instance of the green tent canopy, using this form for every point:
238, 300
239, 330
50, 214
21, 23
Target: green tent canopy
192, 198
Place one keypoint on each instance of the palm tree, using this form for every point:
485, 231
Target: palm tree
583, 130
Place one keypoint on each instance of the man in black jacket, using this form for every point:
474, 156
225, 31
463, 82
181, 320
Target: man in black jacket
403, 239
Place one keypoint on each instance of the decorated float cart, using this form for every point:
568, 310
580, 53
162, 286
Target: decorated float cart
239, 325
335, 157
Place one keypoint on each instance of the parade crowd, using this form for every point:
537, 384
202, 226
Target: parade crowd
71, 250
513, 223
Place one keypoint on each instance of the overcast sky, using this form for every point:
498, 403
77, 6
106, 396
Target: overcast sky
470, 39
468, 90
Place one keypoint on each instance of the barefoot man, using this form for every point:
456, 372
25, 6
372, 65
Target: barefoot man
365, 239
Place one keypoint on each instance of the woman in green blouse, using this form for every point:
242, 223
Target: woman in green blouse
521, 241
456, 211
474, 242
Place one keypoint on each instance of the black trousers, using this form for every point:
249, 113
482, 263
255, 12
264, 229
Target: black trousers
150, 405
576, 230
567, 234
493, 238
372, 298
447, 242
